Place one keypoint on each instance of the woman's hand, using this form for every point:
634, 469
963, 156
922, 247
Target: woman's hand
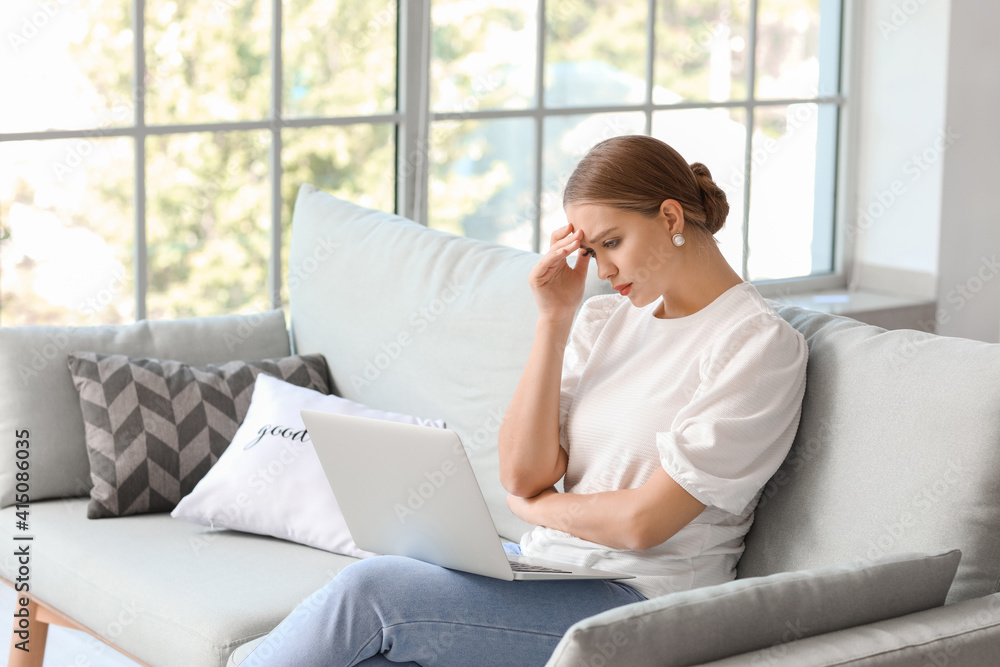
558, 289
528, 509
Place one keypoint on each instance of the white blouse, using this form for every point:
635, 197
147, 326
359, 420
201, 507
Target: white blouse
714, 398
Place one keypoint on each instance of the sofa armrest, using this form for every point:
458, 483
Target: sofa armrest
737, 617
965, 634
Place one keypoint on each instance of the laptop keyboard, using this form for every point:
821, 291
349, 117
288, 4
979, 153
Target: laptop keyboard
524, 567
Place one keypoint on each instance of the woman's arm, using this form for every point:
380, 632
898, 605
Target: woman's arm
530, 456
634, 519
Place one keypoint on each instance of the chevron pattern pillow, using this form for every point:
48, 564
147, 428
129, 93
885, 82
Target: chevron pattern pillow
155, 427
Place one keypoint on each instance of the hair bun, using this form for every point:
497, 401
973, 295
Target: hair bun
713, 198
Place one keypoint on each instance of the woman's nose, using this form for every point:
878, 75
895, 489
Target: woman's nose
605, 270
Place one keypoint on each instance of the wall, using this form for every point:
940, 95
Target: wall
927, 104
969, 240
901, 93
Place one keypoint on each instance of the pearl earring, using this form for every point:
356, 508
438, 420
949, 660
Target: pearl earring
678, 239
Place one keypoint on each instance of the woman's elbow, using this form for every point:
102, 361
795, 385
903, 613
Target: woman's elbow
522, 489
638, 538
521, 483
513, 488
645, 530
518, 485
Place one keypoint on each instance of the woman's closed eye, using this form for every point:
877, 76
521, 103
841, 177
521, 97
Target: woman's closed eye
607, 244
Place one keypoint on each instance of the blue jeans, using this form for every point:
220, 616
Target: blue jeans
386, 610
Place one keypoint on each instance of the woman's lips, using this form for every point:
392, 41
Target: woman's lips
625, 290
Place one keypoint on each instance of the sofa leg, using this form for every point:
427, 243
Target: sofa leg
40, 617
38, 631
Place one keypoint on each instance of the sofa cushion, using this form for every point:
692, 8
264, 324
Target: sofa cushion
169, 592
416, 320
713, 622
898, 449
156, 426
964, 634
37, 394
270, 481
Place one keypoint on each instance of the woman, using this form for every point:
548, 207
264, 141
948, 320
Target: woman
667, 410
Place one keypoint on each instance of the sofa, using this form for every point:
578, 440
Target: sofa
897, 452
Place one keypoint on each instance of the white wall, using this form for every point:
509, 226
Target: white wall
928, 111
902, 94
969, 242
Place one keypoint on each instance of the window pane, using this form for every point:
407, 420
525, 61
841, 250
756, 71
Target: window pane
717, 139
339, 57
783, 192
701, 50
482, 178
787, 48
68, 65
595, 52
67, 207
826, 189
567, 140
352, 162
484, 54
207, 61
208, 222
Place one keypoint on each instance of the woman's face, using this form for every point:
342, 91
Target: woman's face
629, 248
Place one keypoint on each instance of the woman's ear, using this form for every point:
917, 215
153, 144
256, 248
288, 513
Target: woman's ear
673, 216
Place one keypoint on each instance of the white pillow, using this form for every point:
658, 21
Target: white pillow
269, 480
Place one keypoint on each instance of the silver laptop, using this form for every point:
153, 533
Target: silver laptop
409, 490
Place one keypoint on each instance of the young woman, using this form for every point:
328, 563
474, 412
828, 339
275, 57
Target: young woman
666, 406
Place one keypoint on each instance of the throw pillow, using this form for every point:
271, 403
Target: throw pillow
36, 393
154, 427
270, 480
707, 624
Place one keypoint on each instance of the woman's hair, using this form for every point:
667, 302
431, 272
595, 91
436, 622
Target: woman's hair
637, 173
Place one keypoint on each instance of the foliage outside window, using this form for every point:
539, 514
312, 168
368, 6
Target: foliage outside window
170, 194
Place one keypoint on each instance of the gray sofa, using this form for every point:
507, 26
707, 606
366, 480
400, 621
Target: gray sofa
898, 450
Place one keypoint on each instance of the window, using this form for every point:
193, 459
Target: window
170, 194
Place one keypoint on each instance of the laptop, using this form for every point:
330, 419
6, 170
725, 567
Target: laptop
409, 490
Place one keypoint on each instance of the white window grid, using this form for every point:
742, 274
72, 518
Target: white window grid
413, 117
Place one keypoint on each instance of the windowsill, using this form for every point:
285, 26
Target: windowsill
843, 302
891, 311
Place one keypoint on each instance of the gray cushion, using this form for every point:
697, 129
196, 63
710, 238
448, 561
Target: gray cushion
965, 634
715, 622
156, 426
169, 592
37, 394
898, 449
437, 326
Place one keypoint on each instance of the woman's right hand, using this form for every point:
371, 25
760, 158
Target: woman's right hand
558, 288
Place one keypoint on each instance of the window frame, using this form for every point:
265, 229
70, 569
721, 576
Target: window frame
415, 22
413, 119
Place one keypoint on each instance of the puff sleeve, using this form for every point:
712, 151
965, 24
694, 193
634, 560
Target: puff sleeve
736, 430
586, 328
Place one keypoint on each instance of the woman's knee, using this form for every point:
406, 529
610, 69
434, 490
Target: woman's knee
352, 591
377, 567
369, 577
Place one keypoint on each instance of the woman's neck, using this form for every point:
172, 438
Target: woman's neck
693, 290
